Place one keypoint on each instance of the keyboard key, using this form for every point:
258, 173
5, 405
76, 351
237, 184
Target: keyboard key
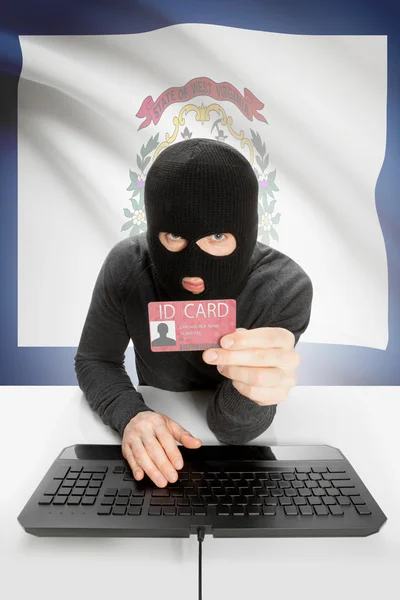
349, 492
71, 476
307, 511
81, 484
98, 476
160, 492
45, 500
197, 502
305, 492
344, 500
258, 475
283, 485
111, 492
155, 511
119, 510
91, 492
301, 476
355, 499
311, 484
104, 510
285, 501
321, 510
288, 476
122, 501
336, 510
319, 469
119, 470
64, 491
330, 476
59, 500
87, 501
95, 484
291, 510
247, 476
75, 469
253, 511
291, 492
277, 493
186, 502
195, 476
315, 500
124, 492
362, 510
315, 476
319, 492
238, 510
332, 492
275, 477
268, 510
136, 501
169, 511
162, 502
200, 510
336, 469
303, 469
138, 492
107, 501
78, 492
297, 484
74, 500
61, 473
179, 493
52, 488
184, 511
301, 501
134, 511
100, 469
270, 501
329, 500
223, 510
324, 484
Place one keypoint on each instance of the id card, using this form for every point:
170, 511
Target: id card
190, 325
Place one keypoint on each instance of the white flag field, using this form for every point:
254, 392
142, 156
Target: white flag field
308, 111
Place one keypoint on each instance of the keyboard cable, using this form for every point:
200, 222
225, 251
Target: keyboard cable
200, 536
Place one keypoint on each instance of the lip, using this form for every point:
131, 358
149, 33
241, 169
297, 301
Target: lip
192, 286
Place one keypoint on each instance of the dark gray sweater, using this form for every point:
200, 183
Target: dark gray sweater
278, 294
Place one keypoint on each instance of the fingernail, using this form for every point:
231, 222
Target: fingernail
171, 476
220, 368
211, 356
178, 464
227, 342
160, 481
137, 474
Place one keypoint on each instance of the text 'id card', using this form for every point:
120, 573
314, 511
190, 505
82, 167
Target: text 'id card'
190, 325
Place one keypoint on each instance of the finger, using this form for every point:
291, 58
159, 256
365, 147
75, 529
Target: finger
160, 459
252, 357
168, 442
128, 455
145, 462
183, 435
255, 376
261, 337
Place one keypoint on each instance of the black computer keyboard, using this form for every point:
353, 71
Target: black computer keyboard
297, 491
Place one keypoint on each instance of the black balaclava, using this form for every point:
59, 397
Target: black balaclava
197, 188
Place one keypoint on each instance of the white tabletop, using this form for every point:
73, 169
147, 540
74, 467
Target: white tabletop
363, 422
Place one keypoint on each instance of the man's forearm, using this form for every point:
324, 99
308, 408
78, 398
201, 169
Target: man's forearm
235, 419
109, 391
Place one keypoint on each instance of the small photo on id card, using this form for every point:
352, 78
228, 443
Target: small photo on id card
190, 325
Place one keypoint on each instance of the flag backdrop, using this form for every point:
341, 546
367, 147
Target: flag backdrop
96, 102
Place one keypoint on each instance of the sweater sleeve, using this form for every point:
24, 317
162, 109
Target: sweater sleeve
100, 358
234, 418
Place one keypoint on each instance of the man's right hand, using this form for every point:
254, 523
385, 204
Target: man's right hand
149, 445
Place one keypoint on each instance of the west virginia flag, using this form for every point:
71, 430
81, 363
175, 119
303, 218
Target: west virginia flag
308, 111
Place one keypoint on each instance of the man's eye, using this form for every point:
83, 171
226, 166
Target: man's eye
173, 234
217, 234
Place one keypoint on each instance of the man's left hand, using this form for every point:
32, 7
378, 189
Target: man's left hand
261, 363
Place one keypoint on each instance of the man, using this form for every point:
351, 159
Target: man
201, 199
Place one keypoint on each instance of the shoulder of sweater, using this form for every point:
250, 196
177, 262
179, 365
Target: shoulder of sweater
278, 276
127, 259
